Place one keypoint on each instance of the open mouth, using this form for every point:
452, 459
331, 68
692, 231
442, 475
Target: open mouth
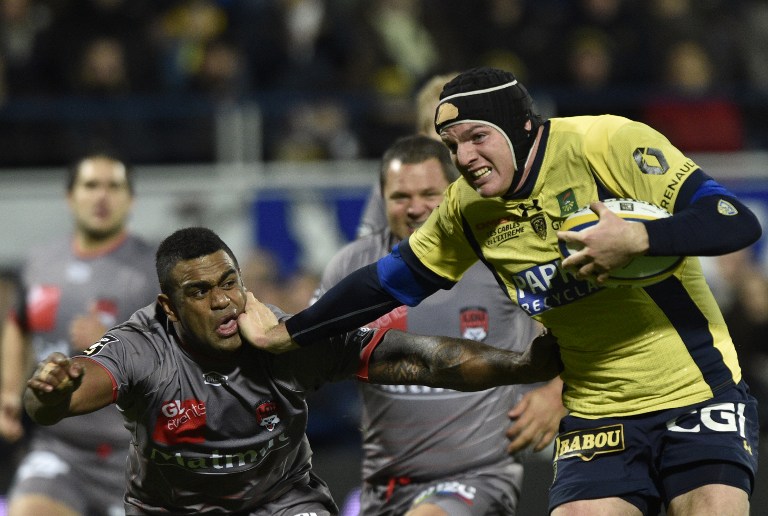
480, 173
228, 326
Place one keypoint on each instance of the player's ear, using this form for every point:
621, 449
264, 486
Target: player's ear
165, 303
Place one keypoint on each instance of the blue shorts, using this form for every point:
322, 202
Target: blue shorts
654, 457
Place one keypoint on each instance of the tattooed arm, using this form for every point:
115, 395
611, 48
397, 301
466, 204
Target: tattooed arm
465, 365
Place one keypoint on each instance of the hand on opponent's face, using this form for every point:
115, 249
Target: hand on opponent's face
259, 327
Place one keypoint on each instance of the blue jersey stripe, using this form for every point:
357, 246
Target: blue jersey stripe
693, 328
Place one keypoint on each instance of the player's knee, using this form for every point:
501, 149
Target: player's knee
426, 509
38, 505
614, 506
713, 499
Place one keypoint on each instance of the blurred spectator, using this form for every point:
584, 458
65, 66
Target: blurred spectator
515, 35
299, 45
590, 61
688, 68
77, 24
373, 218
617, 22
183, 31
21, 21
717, 24
102, 69
222, 73
401, 44
402, 49
694, 112
752, 33
427, 98
315, 55
369, 56
753, 36
318, 130
10, 453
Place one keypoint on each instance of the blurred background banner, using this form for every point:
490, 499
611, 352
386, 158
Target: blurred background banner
299, 212
303, 227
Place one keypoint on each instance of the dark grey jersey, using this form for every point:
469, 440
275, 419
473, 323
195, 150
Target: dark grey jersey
60, 285
427, 433
213, 437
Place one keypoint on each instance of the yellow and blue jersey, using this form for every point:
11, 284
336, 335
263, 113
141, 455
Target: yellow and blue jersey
626, 351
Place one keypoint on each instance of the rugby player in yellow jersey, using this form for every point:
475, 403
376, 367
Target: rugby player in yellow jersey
659, 412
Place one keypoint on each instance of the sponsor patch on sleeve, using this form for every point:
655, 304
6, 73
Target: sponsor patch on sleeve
96, 348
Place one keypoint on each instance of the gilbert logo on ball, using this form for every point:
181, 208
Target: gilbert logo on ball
642, 270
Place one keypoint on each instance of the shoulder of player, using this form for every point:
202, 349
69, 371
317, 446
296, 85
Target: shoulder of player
588, 125
54, 247
147, 327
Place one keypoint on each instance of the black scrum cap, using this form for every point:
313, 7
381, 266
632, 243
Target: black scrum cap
493, 97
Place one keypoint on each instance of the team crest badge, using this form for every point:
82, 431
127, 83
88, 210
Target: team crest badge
474, 323
567, 202
726, 208
539, 225
266, 415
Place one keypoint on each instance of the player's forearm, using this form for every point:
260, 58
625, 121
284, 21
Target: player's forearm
714, 224
353, 302
13, 359
458, 364
45, 414
50, 391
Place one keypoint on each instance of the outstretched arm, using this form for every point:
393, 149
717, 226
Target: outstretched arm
63, 387
14, 357
459, 364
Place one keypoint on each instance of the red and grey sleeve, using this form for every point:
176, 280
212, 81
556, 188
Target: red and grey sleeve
365, 356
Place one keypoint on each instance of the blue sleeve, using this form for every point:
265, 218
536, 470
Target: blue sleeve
355, 301
405, 278
708, 221
365, 295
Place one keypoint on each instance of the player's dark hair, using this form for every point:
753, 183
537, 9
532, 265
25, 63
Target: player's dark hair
186, 244
74, 169
416, 149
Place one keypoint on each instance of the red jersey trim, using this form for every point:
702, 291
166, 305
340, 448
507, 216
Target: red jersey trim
96, 253
365, 357
111, 377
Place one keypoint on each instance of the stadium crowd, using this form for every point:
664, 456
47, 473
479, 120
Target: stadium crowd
336, 76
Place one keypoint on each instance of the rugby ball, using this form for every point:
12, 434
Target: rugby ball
642, 270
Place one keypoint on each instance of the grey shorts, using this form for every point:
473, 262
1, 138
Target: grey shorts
489, 493
308, 495
88, 488
310, 499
